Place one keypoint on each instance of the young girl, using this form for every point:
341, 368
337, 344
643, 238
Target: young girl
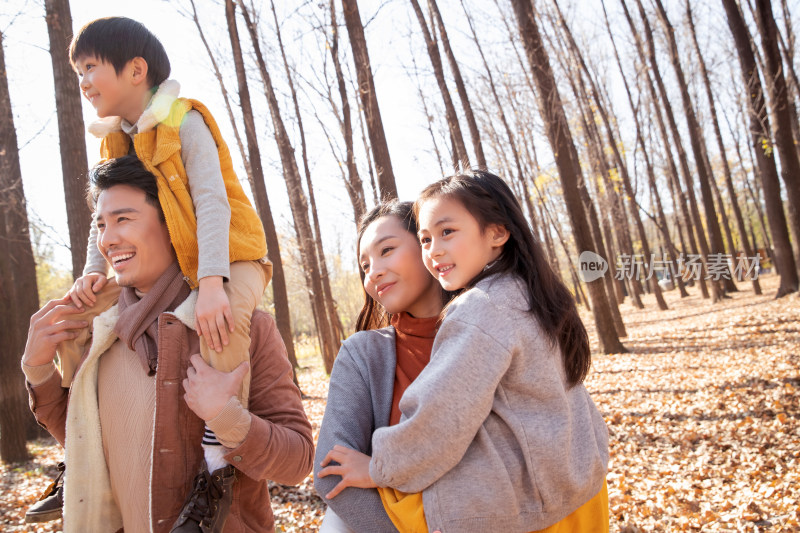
374, 367
498, 433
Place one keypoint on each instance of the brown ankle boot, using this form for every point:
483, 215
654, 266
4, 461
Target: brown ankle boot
50, 502
207, 506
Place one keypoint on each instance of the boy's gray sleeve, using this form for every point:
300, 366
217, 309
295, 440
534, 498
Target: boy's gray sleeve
349, 421
207, 187
95, 262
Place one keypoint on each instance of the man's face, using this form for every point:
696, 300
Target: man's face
132, 237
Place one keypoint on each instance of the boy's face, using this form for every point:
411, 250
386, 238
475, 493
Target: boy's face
108, 92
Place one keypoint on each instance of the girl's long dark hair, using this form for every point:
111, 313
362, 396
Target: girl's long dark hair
490, 201
372, 314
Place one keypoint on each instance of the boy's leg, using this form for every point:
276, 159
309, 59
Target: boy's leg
71, 351
244, 289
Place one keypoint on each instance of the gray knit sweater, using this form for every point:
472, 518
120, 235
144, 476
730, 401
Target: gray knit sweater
359, 402
491, 433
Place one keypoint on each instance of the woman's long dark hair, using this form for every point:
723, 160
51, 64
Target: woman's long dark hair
372, 314
490, 201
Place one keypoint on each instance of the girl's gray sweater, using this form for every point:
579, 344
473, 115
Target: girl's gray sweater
491, 432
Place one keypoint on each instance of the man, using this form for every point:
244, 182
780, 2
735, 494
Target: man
132, 420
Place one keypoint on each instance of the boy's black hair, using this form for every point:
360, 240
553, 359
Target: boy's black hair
117, 40
125, 170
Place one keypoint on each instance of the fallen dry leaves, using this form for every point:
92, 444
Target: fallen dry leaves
702, 416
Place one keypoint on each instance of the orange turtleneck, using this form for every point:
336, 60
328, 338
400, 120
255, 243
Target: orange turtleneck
413, 343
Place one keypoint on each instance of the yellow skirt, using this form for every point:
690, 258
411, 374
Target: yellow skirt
408, 516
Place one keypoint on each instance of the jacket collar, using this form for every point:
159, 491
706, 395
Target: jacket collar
156, 111
88, 497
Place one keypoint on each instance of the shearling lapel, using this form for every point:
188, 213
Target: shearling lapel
88, 500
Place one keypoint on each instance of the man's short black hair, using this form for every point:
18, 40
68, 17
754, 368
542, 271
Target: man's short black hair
127, 170
117, 40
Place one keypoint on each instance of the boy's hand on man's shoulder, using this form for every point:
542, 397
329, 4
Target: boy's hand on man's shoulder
213, 314
85, 287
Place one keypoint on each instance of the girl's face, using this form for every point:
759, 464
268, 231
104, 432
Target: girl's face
454, 248
394, 274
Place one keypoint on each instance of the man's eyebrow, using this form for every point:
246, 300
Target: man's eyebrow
121, 211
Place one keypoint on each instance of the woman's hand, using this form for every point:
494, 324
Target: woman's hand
353, 467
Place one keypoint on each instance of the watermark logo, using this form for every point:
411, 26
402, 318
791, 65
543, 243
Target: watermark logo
716, 267
592, 266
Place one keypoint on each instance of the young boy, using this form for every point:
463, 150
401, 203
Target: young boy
217, 235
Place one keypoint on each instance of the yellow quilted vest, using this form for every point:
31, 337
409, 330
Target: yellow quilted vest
160, 150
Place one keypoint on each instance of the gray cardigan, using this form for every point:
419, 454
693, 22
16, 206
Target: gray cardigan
359, 402
491, 433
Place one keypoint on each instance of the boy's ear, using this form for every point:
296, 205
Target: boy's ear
498, 234
138, 70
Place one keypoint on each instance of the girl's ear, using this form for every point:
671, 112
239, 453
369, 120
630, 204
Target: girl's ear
498, 234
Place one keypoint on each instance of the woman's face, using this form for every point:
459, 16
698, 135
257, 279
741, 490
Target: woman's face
394, 275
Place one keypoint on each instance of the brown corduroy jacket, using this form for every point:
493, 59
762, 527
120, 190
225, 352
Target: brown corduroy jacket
279, 445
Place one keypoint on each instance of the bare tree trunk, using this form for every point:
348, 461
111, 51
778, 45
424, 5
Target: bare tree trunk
621, 167
224, 91
280, 296
503, 120
18, 294
369, 100
662, 220
462, 91
748, 188
726, 169
298, 204
330, 303
567, 161
567, 252
353, 184
698, 237
783, 114
368, 155
70, 131
715, 245
760, 132
787, 50
438, 71
428, 118
602, 227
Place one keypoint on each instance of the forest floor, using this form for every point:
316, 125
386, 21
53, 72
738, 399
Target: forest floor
703, 417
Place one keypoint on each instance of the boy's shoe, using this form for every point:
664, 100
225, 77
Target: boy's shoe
207, 506
50, 503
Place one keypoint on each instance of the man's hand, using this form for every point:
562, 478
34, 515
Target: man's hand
49, 326
84, 289
212, 311
208, 390
353, 467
